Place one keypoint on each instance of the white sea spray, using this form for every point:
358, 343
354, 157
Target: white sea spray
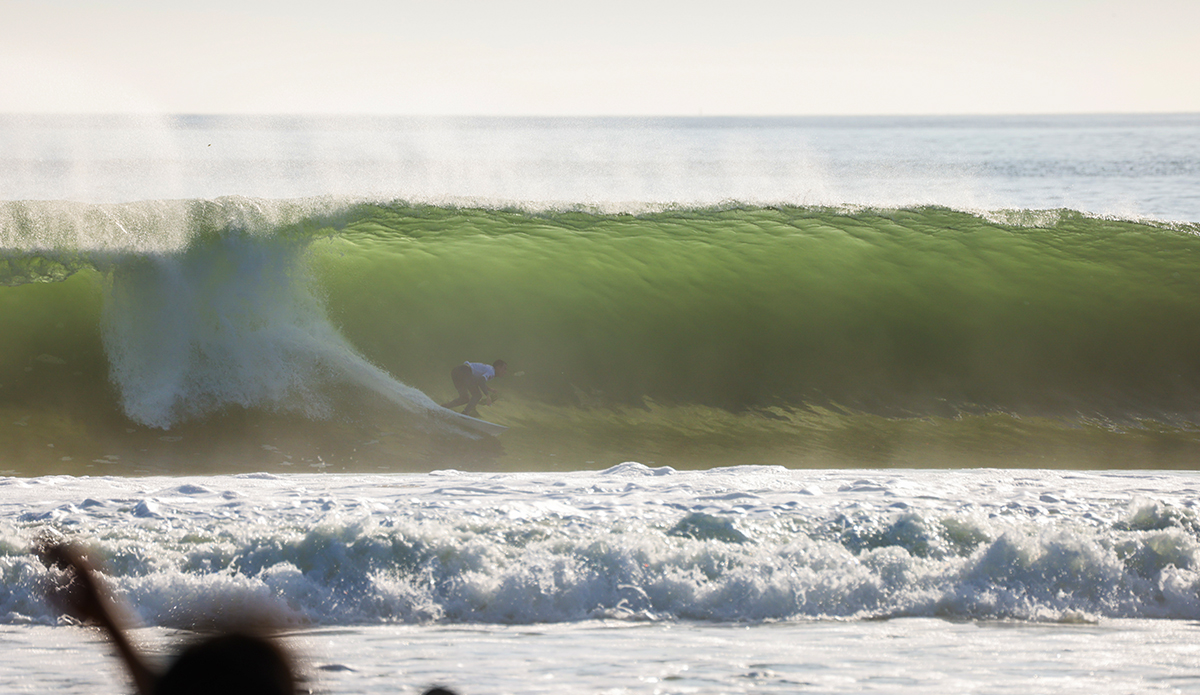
630, 543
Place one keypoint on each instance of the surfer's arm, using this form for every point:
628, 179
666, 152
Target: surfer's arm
85, 597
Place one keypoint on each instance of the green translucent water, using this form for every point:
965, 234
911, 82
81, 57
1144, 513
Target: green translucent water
692, 337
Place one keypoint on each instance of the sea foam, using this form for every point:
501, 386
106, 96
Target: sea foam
530, 548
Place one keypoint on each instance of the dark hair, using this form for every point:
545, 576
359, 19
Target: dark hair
231, 664
499, 363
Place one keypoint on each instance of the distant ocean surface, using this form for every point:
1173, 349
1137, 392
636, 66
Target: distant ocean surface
795, 404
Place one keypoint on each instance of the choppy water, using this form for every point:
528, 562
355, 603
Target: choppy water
670, 581
630, 543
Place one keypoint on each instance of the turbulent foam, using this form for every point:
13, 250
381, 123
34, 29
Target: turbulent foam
631, 543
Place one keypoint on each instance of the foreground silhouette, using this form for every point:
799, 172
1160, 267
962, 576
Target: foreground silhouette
237, 662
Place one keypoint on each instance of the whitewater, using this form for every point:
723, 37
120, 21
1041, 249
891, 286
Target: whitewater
640, 579
831, 405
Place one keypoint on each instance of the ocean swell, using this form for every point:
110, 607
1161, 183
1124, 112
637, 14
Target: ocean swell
912, 312
786, 319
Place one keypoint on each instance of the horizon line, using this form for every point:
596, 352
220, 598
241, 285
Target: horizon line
561, 116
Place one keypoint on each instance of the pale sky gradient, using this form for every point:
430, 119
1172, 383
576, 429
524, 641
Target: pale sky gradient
608, 57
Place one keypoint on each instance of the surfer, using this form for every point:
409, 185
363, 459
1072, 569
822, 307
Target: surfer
470, 378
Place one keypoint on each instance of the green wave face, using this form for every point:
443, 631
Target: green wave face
910, 312
691, 337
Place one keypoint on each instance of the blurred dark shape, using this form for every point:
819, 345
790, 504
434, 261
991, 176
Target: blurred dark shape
235, 662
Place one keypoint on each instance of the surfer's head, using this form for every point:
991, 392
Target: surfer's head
237, 663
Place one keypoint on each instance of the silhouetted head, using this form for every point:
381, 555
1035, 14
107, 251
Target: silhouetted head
439, 691
230, 664
500, 366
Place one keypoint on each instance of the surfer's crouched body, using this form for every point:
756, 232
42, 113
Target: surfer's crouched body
470, 378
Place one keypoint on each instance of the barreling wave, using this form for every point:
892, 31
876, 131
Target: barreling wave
741, 321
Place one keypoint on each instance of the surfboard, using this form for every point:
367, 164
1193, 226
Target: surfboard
473, 422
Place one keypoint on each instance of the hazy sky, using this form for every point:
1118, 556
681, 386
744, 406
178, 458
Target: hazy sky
528, 57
